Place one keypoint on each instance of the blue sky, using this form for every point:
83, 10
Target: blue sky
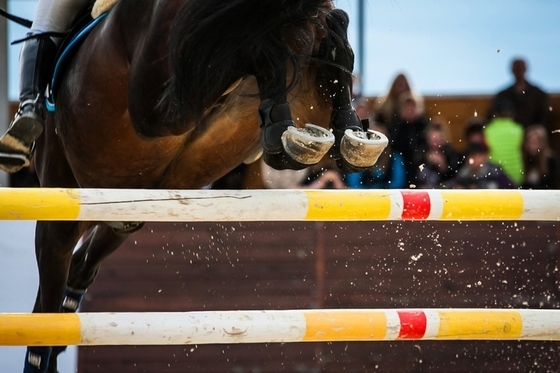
458, 47
444, 46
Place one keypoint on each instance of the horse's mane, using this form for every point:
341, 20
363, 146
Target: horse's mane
213, 43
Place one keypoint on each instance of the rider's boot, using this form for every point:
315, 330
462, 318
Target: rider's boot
36, 61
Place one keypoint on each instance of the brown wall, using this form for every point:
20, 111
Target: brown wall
253, 266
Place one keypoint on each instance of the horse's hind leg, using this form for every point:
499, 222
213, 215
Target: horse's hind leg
100, 243
54, 244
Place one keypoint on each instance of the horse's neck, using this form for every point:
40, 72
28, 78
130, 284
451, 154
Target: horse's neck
102, 6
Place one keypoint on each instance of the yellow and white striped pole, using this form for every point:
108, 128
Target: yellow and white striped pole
231, 327
277, 205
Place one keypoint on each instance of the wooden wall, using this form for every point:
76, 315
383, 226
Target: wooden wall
233, 266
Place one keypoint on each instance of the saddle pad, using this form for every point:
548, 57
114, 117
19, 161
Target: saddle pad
102, 6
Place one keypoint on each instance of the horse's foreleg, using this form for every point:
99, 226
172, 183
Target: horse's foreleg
54, 243
285, 146
355, 148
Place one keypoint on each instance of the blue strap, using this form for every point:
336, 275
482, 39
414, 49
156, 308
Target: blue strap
76, 41
71, 300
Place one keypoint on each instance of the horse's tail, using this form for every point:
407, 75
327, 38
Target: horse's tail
215, 42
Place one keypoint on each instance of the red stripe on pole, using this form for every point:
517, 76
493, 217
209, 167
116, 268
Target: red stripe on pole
416, 205
413, 324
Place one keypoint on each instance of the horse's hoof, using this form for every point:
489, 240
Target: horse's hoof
307, 145
361, 149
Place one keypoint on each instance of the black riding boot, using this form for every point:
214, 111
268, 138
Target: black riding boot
36, 61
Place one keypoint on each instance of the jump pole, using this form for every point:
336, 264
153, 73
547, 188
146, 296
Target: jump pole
232, 327
277, 205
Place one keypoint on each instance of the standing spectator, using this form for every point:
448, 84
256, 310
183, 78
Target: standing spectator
478, 172
441, 161
387, 173
504, 137
408, 136
531, 104
539, 160
386, 106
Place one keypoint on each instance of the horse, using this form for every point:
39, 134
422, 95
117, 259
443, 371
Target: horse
173, 94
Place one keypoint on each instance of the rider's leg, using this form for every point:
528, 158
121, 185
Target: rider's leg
36, 62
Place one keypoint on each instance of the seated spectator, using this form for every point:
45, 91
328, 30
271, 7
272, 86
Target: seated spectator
408, 136
504, 137
539, 160
281, 179
478, 172
324, 175
441, 160
386, 106
474, 131
363, 110
387, 173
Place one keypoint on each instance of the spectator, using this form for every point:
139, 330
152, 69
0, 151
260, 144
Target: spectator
474, 131
324, 175
504, 137
408, 136
387, 173
386, 107
441, 161
362, 108
531, 104
478, 172
539, 160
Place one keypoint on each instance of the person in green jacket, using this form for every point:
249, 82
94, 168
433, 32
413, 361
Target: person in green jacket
504, 137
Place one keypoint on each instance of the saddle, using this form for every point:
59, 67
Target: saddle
102, 6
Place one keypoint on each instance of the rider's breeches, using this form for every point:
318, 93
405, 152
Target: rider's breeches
56, 15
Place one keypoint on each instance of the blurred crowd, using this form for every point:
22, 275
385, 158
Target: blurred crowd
506, 148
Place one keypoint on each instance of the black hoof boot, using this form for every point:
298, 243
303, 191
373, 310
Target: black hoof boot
274, 120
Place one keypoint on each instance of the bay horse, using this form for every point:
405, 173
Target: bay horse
175, 93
